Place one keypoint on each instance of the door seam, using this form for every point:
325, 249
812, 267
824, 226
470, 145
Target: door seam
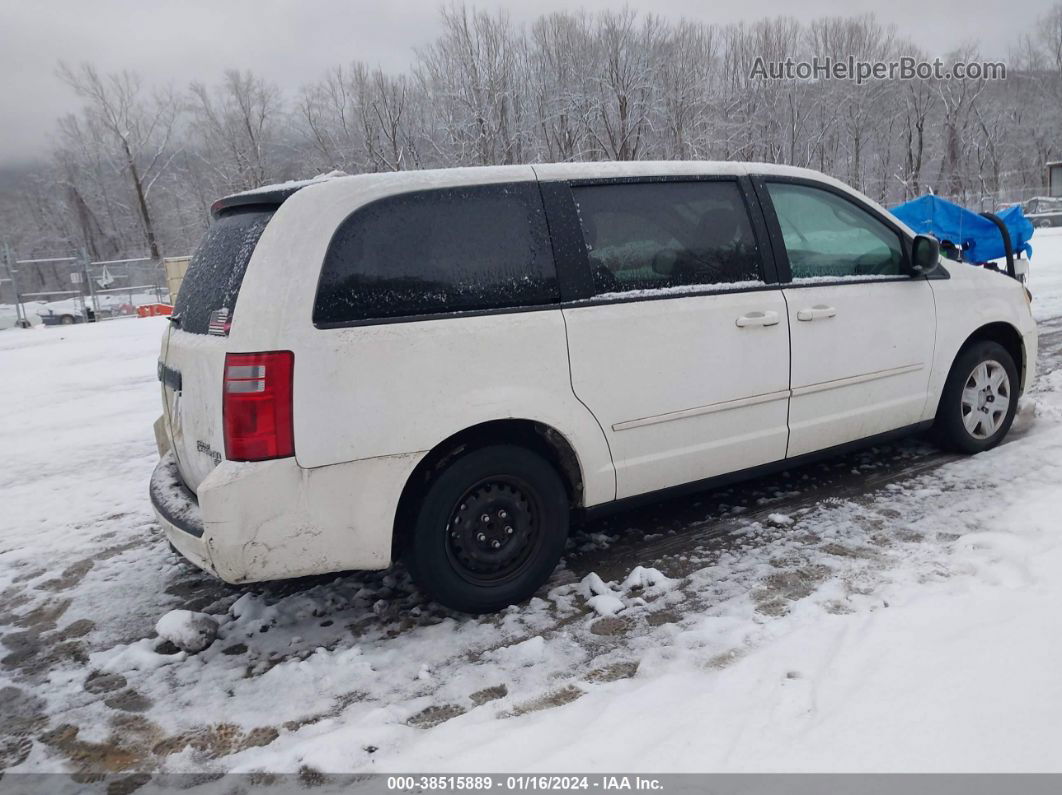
571, 383
789, 380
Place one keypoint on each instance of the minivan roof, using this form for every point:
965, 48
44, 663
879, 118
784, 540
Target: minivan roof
274, 195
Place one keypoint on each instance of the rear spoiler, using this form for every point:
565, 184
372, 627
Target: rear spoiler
266, 198
269, 196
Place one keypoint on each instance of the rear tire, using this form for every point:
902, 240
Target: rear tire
489, 530
980, 399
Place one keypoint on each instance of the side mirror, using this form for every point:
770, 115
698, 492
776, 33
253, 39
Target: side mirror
925, 255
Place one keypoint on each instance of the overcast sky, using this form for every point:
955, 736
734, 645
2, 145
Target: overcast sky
293, 43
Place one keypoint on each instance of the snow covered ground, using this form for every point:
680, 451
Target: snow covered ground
893, 610
1045, 273
9, 313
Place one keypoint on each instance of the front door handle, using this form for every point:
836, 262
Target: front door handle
816, 312
768, 318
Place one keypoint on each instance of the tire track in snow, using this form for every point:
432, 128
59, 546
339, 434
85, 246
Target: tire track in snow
684, 537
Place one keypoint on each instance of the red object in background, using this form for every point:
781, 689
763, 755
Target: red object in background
151, 310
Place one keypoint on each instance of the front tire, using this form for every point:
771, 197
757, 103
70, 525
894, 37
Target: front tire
980, 399
490, 529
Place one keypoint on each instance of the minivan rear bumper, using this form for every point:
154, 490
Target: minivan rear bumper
172, 500
270, 520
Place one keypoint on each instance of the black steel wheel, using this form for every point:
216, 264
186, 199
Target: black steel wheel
493, 530
490, 529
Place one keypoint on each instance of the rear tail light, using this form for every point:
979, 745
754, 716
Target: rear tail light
256, 409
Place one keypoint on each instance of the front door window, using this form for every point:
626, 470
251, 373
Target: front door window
828, 237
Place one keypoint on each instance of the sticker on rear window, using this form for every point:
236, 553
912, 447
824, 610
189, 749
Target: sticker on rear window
219, 322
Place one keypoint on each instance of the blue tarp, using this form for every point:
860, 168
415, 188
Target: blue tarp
1021, 229
978, 237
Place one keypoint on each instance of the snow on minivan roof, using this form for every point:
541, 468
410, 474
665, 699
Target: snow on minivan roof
401, 181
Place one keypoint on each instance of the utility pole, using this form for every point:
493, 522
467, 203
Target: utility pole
12, 272
91, 288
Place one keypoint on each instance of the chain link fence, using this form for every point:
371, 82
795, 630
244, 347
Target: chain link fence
63, 290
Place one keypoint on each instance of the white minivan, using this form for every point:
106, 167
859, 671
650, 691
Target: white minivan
444, 366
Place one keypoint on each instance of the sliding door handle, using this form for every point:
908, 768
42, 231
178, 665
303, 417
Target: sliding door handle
769, 318
817, 312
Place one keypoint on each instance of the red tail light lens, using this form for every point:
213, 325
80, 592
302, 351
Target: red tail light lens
256, 406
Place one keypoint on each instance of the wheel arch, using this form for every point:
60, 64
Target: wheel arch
538, 436
1006, 335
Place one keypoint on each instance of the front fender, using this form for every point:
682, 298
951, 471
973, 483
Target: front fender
967, 302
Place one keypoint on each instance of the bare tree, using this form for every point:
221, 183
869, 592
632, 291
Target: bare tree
919, 98
138, 166
235, 123
685, 65
857, 106
472, 77
623, 100
1049, 33
385, 115
139, 129
330, 117
559, 79
957, 99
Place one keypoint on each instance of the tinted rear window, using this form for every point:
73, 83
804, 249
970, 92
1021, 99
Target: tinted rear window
448, 250
216, 271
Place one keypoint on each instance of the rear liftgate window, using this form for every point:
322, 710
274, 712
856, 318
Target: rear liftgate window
214, 276
439, 251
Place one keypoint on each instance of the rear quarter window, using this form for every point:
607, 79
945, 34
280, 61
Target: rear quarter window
439, 251
218, 266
